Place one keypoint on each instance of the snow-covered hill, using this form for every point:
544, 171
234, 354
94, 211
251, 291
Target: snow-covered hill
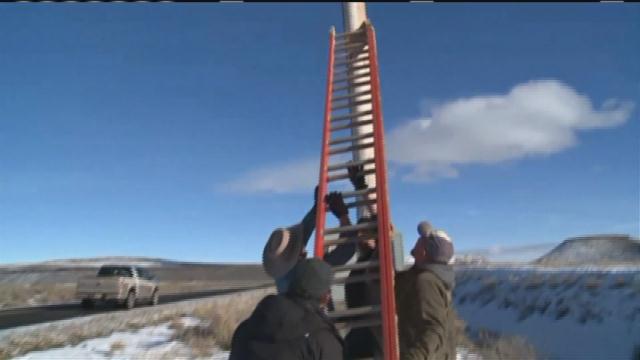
567, 313
594, 249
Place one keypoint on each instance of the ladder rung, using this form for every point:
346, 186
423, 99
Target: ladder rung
352, 125
352, 115
350, 148
351, 95
352, 85
352, 104
351, 69
352, 77
348, 164
362, 192
342, 62
358, 323
346, 176
349, 139
357, 266
345, 34
354, 40
361, 203
340, 229
356, 279
351, 55
345, 240
364, 310
358, 203
342, 42
349, 45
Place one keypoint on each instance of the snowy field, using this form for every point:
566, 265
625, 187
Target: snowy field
152, 342
566, 313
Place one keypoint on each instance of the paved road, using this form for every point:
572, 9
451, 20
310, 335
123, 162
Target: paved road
40, 314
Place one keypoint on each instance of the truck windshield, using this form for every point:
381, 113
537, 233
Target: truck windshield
114, 271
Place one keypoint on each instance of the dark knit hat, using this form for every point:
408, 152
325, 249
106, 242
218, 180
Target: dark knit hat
312, 278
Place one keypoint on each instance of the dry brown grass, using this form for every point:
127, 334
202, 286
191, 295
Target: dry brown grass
500, 347
592, 283
17, 295
71, 335
220, 317
619, 282
200, 339
224, 317
175, 287
116, 346
12, 294
493, 346
222, 314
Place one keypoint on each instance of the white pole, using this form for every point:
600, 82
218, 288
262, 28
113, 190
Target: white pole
354, 16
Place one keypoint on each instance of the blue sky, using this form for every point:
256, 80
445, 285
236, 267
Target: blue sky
191, 131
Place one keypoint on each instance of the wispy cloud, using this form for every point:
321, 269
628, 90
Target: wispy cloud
535, 118
288, 177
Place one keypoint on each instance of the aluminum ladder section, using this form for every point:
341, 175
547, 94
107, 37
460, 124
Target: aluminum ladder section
352, 63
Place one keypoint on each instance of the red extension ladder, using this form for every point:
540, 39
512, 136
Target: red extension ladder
353, 63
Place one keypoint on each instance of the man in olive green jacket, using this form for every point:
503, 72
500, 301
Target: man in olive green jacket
423, 299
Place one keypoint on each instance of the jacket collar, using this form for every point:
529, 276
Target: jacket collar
442, 271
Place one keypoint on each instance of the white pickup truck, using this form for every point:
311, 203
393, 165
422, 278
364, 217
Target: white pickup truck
124, 284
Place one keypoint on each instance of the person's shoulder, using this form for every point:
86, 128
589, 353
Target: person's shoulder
267, 301
426, 275
274, 303
404, 274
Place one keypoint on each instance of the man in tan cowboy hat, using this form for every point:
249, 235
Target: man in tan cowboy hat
423, 299
286, 246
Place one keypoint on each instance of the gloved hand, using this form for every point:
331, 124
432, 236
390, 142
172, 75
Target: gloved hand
356, 175
336, 204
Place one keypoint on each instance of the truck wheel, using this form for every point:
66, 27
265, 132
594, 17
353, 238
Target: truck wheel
155, 298
86, 303
130, 301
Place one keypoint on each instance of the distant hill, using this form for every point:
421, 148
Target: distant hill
604, 249
69, 270
506, 254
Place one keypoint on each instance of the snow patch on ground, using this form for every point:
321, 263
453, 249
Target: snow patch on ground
152, 342
464, 354
582, 312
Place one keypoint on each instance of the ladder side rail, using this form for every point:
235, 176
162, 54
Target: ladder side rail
324, 159
389, 328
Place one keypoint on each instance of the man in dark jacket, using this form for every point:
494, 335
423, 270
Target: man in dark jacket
292, 326
423, 299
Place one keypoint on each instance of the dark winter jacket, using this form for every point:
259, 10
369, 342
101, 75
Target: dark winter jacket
425, 313
362, 342
286, 328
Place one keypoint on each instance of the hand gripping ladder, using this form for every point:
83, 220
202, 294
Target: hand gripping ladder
352, 64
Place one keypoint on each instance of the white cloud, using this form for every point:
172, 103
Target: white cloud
534, 118
291, 177
299, 176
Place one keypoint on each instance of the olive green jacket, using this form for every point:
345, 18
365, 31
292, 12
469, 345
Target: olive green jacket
425, 313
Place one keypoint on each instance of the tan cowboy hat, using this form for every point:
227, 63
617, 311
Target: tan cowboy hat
282, 251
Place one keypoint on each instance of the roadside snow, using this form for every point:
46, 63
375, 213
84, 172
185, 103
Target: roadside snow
152, 342
564, 312
464, 354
